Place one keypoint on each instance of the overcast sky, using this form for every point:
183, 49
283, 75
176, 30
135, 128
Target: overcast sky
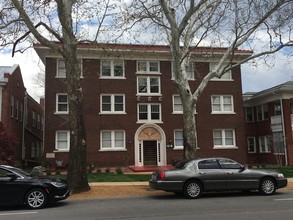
255, 77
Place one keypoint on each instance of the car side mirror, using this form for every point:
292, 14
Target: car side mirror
242, 168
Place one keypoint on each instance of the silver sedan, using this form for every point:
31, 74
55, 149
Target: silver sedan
192, 177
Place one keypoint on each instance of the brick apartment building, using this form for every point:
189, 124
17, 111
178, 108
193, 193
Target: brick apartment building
132, 110
269, 125
21, 115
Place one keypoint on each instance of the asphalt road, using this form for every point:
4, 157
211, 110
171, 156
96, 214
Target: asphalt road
169, 206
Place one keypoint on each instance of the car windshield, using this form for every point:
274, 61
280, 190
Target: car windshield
182, 164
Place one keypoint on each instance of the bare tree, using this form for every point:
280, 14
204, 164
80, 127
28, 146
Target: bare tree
231, 24
60, 25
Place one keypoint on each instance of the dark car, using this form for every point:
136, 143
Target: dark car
192, 177
18, 187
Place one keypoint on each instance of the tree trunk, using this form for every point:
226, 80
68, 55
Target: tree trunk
77, 173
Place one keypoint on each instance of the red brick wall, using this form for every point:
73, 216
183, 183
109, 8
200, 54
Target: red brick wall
95, 122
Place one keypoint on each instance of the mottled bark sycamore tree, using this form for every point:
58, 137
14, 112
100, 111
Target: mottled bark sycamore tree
59, 25
214, 23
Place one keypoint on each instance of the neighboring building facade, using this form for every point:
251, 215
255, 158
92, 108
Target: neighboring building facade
269, 125
21, 115
132, 110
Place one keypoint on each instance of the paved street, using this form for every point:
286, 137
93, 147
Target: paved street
218, 206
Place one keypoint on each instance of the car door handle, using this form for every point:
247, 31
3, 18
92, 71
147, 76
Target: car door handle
202, 173
229, 173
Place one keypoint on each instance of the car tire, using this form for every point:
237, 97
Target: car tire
192, 189
267, 186
36, 199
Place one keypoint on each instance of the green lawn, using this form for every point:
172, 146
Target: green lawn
113, 177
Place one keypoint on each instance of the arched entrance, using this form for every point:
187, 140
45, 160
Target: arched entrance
150, 146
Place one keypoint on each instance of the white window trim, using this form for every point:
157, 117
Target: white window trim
222, 105
148, 93
63, 77
262, 106
148, 67
178, 147
188, 78
267, 144
56, 141
213, 64
224, 146
112, 61
57, 110
113, 148
149, 113
173, 105
112, 104
254, 144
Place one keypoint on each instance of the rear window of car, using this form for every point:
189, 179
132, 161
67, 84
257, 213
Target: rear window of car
208, 164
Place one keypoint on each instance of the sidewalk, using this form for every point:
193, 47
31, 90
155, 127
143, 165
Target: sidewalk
290, 183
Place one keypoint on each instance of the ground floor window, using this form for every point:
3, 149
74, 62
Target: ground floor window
251, 145
62, 140
224, 138
178, 139
112, 140
264, 144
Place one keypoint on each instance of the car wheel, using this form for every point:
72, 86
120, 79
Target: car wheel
192, 189
267, 186
36, 199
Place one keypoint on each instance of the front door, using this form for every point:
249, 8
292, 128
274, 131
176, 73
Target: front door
150, 153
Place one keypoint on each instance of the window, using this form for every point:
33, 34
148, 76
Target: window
148, 85
264, 144
277, 108
62, 140
62, 103
251, 145
178, 139
34, 119
278, 145
262, 112
38, 121
149, 112
11, 106
112, 104
112, 140
229, 164
249, 114
227, 76
17, 109
222, 104
189, 68
61, 70
112, 69
177, 104
148, 67
224, 138
208, 164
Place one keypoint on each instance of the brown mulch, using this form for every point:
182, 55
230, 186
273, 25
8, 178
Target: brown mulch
124, 191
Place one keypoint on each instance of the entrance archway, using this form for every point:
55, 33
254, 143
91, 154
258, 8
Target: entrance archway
150, 146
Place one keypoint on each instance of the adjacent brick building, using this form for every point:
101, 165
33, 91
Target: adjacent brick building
132, 111
269, 125
21, 115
